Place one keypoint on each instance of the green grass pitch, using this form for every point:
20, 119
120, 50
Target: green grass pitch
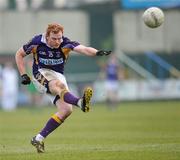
135, 131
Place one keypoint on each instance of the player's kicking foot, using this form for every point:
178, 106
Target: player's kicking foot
39, 145
86, 99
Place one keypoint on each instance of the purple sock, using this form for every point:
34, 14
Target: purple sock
70, 98
51, 125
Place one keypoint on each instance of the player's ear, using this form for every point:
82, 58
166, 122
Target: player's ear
47, 37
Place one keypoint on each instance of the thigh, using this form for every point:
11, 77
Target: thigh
53, 76
50, 76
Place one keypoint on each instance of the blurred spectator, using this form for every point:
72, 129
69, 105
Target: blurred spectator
59, 3
3, 4
21, 5
0, 83
9, 87
37, 4
113, 74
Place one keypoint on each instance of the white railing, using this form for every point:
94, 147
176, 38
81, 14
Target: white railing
134, 65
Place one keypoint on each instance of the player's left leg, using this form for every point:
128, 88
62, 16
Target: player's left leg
57, 87
83, 102
64, 110
55, 84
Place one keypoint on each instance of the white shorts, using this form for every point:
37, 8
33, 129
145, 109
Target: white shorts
112, 86
49, 75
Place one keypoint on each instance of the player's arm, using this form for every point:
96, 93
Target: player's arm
90, 51
20, 54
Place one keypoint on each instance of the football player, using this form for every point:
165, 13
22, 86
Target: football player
50, 52
114, 73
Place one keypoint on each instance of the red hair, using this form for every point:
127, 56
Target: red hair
55, 28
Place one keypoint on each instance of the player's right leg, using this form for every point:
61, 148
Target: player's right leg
38, 144
64, 110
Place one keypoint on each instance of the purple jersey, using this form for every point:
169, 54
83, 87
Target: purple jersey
47, 57
112, 71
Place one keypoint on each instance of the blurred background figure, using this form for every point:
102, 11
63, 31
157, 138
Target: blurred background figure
9, 87
0, 83
36, 4
3, 4
113, 75
21, 5
59, 3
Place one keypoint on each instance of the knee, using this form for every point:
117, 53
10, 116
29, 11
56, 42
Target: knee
60, 85
65, 111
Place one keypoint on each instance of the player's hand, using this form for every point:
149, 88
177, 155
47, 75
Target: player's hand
25, 79
103, 53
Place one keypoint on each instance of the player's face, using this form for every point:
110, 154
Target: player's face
54, 40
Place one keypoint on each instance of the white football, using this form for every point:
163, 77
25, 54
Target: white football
153, 17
